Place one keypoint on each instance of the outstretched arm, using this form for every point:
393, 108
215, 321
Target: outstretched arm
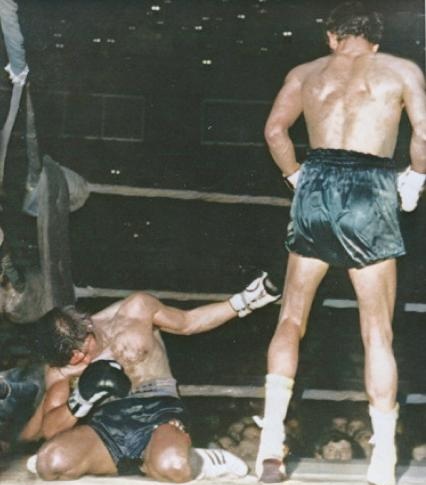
286, 109
257, 294
142, 309
197, 320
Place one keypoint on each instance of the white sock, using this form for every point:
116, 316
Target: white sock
278, 392
32, 464
381, 470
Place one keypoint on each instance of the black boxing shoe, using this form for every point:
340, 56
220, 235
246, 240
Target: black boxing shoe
273, 471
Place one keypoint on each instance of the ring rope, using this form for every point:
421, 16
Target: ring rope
91, 292
216, 197
258, 392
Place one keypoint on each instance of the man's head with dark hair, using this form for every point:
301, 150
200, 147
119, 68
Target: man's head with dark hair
354, 18
334, 445
61, 332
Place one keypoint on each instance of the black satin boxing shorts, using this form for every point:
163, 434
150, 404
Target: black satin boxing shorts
126, 425
345, 210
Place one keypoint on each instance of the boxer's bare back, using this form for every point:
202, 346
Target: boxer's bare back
352, 100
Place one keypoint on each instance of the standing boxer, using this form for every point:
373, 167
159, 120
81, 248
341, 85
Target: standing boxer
345, 212
125, 405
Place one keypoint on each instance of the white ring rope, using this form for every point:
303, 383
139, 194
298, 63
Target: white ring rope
91, 292
258, 392
216, 197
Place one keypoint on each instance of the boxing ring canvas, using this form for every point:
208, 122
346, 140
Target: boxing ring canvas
159, 106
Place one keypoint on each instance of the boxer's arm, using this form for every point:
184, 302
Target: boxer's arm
198, 320
32, 429
414, 98
260, 292
410, 182
145, 310
57, 416
142, 309
286, 109
46, 421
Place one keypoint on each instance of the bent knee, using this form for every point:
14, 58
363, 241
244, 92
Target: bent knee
170, 466
53, 462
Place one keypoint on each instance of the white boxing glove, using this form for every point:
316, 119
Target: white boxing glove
20, 78
258, 293
410, 186
292, 179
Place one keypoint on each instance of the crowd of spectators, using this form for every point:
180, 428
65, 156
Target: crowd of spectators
332, 436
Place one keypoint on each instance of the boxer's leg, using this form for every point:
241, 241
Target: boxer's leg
169, 457
166, 457
375, 286
301, 282
74, 453
257, 294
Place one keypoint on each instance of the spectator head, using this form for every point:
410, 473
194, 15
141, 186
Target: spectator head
334, 445
363, 438
418, 453
355, 425
235, 430
339, 423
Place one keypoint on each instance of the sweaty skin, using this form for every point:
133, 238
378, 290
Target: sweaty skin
129, 332
352, 100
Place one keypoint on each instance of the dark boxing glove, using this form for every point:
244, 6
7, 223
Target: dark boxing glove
102, 379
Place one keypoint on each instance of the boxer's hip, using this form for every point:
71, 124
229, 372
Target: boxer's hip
346, 210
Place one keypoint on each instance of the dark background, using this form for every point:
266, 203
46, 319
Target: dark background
174, 94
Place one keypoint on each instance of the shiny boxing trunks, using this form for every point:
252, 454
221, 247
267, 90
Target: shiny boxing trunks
125, 425
345, 210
